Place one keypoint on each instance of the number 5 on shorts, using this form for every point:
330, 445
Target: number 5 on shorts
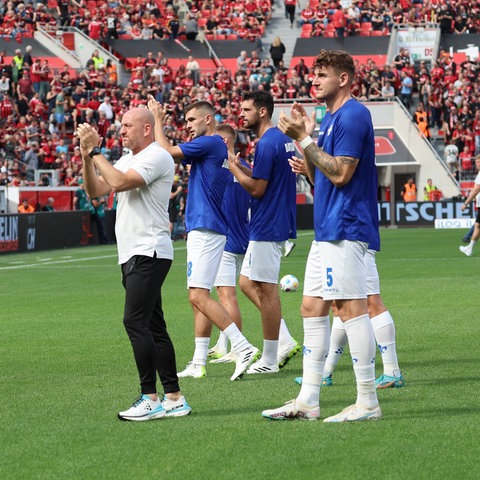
329, 276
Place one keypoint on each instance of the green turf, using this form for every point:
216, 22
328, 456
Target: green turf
66, 368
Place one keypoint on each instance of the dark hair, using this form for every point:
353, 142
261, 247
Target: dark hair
200, 105
260, 99
339, 60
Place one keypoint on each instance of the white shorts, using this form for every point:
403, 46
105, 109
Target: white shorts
373, 281
229, 269
336, 270
262, 261
204, 253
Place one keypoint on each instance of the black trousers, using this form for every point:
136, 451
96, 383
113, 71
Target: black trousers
290, 10
153, 350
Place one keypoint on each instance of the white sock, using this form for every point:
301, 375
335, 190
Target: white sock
384, 331
284, 337
222, 343
315, 349
338, 339
471, 244
201, 350
269, 354
236, 337
362, 349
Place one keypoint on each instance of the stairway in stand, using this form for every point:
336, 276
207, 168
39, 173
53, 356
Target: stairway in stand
279, 26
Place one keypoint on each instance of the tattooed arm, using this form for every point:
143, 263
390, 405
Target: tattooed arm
339, 170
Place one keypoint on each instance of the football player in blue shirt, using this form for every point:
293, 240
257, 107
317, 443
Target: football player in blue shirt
345, 222
206, 227
236, 206
272, 185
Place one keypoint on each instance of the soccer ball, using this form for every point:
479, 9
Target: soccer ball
289, 283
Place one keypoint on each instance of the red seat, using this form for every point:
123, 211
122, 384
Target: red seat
365, 29
306, 30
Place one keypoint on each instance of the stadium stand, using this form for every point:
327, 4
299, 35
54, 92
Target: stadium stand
27, 121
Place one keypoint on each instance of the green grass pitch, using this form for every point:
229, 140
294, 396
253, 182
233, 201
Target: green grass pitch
67, 368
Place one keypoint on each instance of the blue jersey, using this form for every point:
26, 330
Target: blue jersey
208, 177
349, 212
274, 214
236, 206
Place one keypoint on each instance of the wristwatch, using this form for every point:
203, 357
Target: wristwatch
95, 151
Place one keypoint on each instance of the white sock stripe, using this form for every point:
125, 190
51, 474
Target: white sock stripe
381, 320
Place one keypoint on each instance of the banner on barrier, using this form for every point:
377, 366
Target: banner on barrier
454, 222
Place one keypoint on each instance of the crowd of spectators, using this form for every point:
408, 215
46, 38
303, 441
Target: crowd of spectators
40, 107
128, 19
219, 19
372, 17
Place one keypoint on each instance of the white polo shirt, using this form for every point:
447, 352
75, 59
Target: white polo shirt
142, 223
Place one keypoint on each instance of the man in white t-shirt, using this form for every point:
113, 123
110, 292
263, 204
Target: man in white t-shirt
107, 108
468, 249
451, 157
142, 180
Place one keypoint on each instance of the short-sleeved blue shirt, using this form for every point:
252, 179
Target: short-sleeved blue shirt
236, 206
206, 186
274, 214
349, 212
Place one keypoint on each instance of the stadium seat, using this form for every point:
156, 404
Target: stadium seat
307, 29
330, 31
365, 29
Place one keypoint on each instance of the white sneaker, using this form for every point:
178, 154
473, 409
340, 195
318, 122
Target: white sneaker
355, 413
177, 408
292, 410
287, 352
244, 359
193, 370
261, 367
143, 409
228, 358
289, 246
215, 352
467, 251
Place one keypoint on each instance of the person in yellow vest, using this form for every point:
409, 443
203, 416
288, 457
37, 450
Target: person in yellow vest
17, 65
409, 192
429, 187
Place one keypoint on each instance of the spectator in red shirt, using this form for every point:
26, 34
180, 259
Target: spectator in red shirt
25, 85
95, 28
339, 21
465, 158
